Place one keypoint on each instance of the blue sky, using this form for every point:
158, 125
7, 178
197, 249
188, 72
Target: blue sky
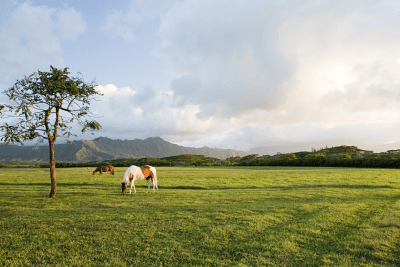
225, 74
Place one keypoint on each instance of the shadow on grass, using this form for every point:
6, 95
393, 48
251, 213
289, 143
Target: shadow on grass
192, 187
58, 184
195, 187
339, 186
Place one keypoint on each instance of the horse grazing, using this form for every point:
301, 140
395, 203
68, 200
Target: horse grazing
139, 173
102, 169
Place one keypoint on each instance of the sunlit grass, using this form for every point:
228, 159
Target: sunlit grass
202, 217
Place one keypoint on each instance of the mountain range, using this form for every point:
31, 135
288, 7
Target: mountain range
103, 148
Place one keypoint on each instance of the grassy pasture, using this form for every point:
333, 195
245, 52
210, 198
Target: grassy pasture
202, 217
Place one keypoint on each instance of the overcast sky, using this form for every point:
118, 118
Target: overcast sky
220, 73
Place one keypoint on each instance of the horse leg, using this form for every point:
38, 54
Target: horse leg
132, 184
148, 185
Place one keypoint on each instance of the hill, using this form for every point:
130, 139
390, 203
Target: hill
308, 146
340, 156
103, 148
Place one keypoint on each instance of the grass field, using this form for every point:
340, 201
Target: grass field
202, 217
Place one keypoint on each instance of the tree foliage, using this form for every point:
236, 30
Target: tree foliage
38, 100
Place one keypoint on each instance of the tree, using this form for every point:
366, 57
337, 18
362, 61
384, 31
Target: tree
290, 156
39, 102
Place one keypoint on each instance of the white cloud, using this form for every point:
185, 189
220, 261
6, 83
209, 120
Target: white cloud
69, 24
32, 39
110, 89
133, 112
146, 112
287, 66
120, 24
257, 73
124, 23
225, 55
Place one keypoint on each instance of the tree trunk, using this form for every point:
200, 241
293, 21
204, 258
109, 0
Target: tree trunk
52, 171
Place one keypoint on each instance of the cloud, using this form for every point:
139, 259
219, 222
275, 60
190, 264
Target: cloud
288, 66
262, 72
145, 112
264, 135
120, 24
32, 39
226, 56
124, 23
138, 112
375, 87
242, 74
348, 62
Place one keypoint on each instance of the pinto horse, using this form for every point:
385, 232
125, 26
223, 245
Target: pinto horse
102, 169
139, 173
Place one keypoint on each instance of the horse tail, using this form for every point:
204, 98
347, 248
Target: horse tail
155, 178
112, 170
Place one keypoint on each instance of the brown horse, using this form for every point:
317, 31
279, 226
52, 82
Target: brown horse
102, 169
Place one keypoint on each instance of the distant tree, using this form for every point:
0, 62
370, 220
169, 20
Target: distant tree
290, 156
38, 101
346, 156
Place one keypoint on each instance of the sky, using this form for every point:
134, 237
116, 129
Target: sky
219, 73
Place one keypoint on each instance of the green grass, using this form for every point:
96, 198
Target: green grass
202, 217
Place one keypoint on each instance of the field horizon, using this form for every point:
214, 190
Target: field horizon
202, 216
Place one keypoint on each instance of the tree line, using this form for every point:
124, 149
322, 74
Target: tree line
342, 156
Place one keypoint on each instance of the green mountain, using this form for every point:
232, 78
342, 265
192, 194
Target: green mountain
103, 148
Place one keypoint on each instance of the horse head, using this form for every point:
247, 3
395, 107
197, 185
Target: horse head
124, 187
